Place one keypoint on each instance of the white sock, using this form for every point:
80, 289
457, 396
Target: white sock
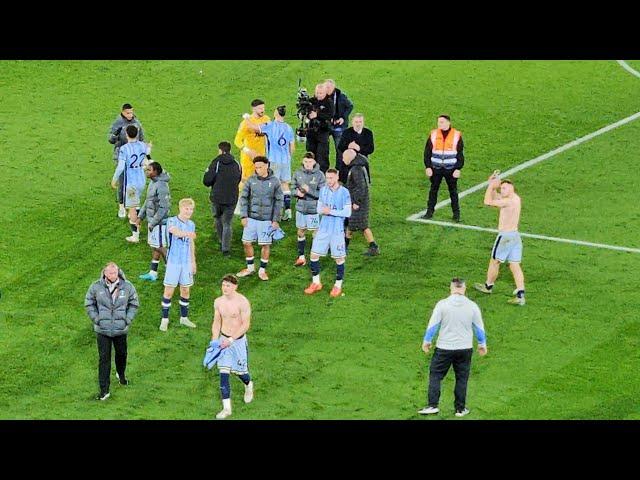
339, 283
301, 257
262, 269
316, 279
226, 404
153, 274
250, 266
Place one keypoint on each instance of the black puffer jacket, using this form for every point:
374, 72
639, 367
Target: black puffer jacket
358, 186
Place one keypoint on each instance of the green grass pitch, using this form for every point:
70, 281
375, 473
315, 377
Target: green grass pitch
570, 353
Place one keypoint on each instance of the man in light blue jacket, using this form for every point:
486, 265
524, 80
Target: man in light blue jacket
457, 318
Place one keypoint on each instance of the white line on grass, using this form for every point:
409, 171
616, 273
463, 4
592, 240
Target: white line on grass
626, 66
416, 217
534, 161
531, 235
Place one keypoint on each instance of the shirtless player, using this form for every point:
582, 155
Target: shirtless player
230, 323
508, 245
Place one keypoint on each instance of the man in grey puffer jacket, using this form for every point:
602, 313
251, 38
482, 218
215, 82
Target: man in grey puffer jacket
118, 137
306, 185
156, 210
111, 303
261, 203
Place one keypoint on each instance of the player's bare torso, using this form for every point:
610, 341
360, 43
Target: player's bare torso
510, 215
230, 311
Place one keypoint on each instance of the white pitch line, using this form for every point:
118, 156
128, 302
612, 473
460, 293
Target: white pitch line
534, 161
417, 217
626, 66
532, 235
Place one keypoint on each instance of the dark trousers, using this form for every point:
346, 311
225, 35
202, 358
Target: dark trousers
224, 216
440, 363
343, 170
337, 135
120, 189
104, 353
318, 143
452, 183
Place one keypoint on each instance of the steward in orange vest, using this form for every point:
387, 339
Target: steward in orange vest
444, 158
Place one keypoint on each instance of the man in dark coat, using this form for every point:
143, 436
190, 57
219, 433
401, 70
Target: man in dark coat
358, 186
358, 138
342, 109
223, 176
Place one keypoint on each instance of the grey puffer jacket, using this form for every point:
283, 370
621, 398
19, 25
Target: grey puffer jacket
315, 180
111, 318
158, 202
262, 198
118, 140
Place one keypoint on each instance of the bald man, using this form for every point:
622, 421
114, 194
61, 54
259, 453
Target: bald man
320, 126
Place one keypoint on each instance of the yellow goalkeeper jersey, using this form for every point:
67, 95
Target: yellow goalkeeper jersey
249, 139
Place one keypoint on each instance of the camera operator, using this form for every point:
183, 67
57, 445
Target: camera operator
320, 126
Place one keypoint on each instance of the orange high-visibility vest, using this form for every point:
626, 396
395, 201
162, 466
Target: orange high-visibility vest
444, 152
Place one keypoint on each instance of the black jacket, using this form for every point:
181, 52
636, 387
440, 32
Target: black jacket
364, 140
223, 176
325, 111
428, 149
343, 106
358, 186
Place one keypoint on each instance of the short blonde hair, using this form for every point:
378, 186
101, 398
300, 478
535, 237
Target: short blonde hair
187, 201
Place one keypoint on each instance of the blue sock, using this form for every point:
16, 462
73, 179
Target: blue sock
184, 307
154, 265
166, 303
315, 267
339, 272
134, 227
346, 242
246, 378
263, 263
301, 246
520, 293
225, 386
249, 261
287, 200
